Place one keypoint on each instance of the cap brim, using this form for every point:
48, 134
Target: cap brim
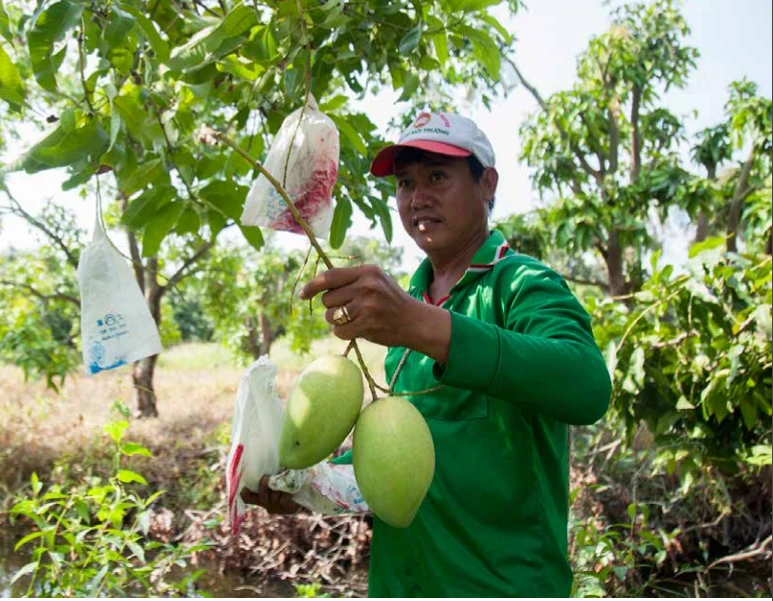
384, 163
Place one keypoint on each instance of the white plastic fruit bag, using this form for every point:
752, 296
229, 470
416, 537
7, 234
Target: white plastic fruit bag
312, 143
257, 423
116, 325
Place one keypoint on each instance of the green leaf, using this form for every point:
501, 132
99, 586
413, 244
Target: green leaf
132, 448
610, 356
410, 85
61, 149
189, 222
147, 204
50, 27
226, 196
440, 42
119, 24
749, 412
11, 89
116, 429
707, 244
469, 6
130, 476
158, 227
5, 24
200, 50
684, 405
253, 235
27, 569
382, 210
147, 173
410, 40
28, 538
159, 45
351, 134
484, 49
342, 220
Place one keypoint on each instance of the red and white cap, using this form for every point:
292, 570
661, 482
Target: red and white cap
442, 133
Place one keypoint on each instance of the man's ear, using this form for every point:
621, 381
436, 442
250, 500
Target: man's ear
488, 182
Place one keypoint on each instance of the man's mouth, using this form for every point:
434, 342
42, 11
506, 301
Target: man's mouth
423, 222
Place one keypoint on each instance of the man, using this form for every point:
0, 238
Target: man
513, 355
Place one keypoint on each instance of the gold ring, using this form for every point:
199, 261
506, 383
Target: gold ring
341, 316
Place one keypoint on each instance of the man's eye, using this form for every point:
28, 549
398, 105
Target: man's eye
436, 176
404, 183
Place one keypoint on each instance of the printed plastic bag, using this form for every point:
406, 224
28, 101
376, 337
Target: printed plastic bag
312, 170
326, 488
255, 429
116, 324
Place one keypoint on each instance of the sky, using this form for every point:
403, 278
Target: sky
734, 38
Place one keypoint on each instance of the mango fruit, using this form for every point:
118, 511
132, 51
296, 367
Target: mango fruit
394, 459
321, 411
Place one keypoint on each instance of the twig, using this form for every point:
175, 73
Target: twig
207, 135
40, 295
81, 62
754, 550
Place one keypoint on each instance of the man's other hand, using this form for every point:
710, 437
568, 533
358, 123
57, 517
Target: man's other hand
273, 501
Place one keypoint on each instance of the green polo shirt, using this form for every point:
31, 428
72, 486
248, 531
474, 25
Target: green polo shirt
522, 365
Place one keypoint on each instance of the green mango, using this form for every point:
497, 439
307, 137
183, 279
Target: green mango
394, 459
321, 411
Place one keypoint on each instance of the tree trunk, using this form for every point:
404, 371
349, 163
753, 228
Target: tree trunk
614, 260
252, 339
741, 191
267, 338
143, 385
702, 229
142, 376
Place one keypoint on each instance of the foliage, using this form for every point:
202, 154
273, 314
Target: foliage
39, 302
311, 591
129, 83
90, 538
691, 358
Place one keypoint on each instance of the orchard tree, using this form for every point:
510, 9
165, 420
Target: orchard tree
122, 88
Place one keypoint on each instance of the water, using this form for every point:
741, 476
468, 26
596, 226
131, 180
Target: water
217, 585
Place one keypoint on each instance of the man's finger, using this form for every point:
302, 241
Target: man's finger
330, 279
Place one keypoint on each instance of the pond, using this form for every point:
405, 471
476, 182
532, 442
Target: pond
217, 585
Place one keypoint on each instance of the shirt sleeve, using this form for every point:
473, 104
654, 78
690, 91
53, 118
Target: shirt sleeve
544, 358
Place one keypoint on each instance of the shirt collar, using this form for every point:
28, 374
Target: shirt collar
493, 250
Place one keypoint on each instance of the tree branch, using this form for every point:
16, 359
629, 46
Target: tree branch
614, 134
134, 248
594, 145
741, 191
40, 295
754, 550
637, 142
20, 212
564, 134
180, 273
583, 282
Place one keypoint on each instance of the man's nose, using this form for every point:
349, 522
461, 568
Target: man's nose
421, 197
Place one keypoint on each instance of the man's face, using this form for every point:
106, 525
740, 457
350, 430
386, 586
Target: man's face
441, 206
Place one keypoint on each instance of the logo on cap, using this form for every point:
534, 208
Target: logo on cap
422, 120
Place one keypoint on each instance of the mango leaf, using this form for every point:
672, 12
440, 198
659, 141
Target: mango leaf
62, 148
158, 227
226, 196
159, 45
440, 42
144, 207
382, 210
149, 172
707, 244
351, 134
410, 40
253, 235
11, 89
470, 6
50, 27
410, 85
189, 222
342, 220
484, 49
199, 50
130, 476
119, 24
5, 24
